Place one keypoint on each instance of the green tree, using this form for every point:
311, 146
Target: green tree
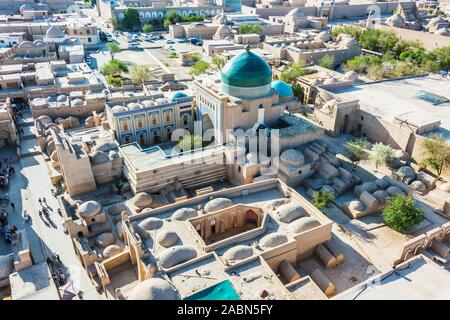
199, 67
249, 28
298, 90
193, 18
327, 61
219, 61
140, 74
113, 67
173, 55
401, 213
113, 48
381, 154
437, 152
295, 70
131, 20
190, 142
114, 81
147, 28
322, 199
172, 17
356, 149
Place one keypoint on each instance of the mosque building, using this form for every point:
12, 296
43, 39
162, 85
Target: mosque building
242, 95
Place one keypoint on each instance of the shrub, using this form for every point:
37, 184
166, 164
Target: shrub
199, 67
321, 199
381, 154
401, 213
327, 61
114, 81
249, 28
147, 28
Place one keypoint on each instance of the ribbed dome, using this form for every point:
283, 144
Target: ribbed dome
246, 70
283, 89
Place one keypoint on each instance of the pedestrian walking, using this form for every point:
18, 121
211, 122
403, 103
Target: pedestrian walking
26, 216
13, 206
40, 201
40, 214
80, 295
44, 200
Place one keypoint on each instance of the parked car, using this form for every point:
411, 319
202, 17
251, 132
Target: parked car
109, 37
133, 45
88, 60
170, 42
196, 41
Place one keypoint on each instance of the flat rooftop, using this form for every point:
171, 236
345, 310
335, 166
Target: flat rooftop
416, 279
33, 283
391, 98
156, 157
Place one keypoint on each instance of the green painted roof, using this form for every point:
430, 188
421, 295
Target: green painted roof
246, 70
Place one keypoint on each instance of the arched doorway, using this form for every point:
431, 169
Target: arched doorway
251, 217
345, 124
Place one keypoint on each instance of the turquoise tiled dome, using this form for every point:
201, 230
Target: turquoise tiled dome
246, 70
178, 95
283, 89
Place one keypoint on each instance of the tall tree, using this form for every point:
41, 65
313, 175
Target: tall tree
219, 61
113, 48
140, 74
437, 152
131, 20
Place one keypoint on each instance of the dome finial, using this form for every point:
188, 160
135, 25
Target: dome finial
247, 46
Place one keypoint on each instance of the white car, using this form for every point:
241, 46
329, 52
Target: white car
133, 45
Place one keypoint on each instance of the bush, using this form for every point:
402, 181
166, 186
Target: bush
381, 154
199, 67
327, 61
401, 213
173, 55
356, 149
113, 67
249, 28
187, 143
147, 28
114, 81
322, 199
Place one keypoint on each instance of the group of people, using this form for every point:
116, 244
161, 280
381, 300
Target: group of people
8, 168
44, 212
8, 232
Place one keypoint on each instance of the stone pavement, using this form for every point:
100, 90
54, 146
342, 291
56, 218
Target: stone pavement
30, 183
